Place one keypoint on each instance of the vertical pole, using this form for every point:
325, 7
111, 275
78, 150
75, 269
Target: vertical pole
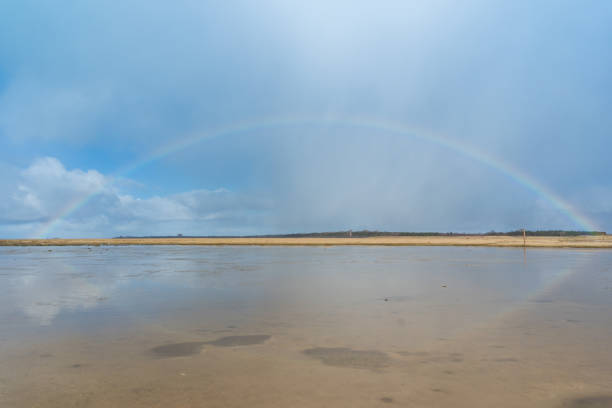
524, 239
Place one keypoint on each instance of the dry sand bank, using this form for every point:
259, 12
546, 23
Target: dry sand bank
604, 241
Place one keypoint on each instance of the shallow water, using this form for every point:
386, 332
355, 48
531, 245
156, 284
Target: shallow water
305, 326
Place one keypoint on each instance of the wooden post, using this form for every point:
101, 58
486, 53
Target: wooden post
524, 239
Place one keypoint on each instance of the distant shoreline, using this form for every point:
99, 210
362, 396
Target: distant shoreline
587, 241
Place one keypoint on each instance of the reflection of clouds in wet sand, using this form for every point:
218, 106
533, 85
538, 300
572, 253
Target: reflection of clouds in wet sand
64, 280
43, 297
298, 327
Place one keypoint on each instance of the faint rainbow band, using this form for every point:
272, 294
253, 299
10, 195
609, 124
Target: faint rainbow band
522, 178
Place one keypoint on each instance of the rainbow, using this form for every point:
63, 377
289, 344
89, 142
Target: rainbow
522, 178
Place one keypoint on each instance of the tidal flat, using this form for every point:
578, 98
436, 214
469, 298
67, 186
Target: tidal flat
304, 326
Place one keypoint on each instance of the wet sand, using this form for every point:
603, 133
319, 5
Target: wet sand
601, 241
305, 327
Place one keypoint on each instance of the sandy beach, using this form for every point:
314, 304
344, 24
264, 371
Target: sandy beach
602, 241
184, 326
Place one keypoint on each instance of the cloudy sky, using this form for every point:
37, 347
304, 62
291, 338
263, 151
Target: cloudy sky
274, 116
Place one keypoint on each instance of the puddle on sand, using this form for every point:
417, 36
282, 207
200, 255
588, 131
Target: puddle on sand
178, 349
195, 347
595, 401
427, 357
233, 341
346, 357
506, 360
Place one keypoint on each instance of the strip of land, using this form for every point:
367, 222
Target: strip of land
603, 241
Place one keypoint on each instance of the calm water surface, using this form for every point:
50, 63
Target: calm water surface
176, 326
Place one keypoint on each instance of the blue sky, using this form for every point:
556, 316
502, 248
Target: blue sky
88, 89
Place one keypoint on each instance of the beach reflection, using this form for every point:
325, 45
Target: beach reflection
412, 325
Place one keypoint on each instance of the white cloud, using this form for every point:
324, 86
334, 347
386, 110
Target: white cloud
48, 200
89, 203
45, 187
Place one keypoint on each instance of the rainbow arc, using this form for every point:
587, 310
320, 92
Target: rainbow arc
496, 163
